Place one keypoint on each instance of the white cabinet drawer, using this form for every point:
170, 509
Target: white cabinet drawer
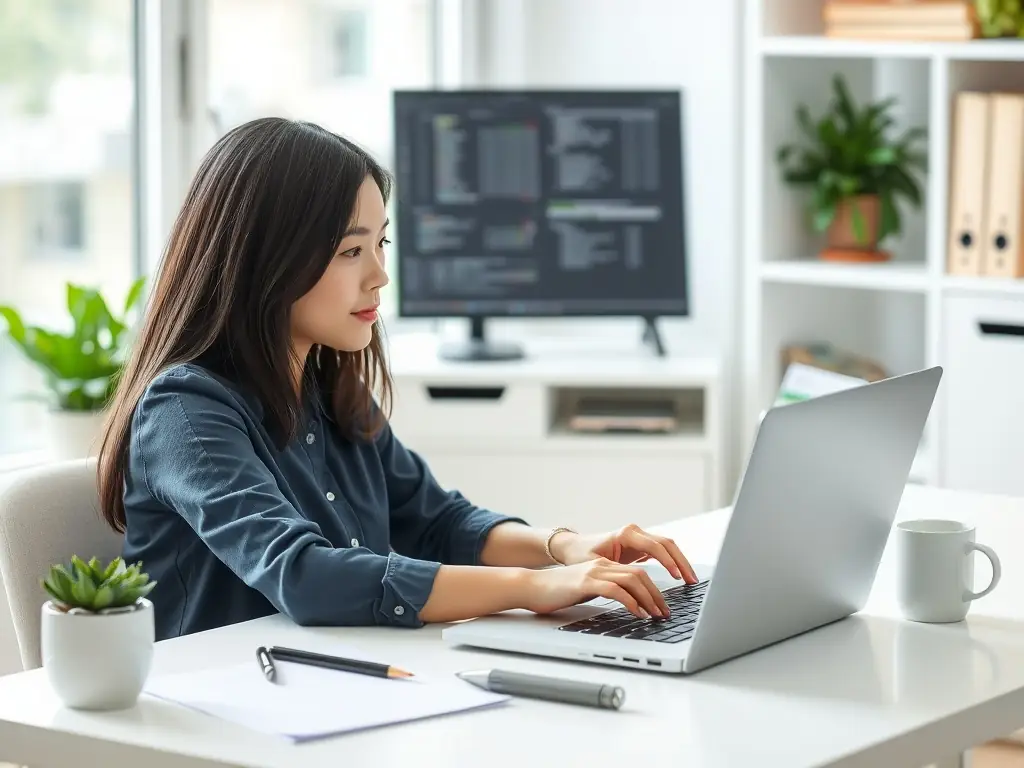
445, 410
585, 492
983, 399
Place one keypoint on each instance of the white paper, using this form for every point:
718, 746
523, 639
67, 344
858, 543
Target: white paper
803, 382
311, 702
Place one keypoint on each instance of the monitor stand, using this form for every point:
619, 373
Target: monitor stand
653, 337
478, 349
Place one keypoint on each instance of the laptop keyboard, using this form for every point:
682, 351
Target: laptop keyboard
684, 604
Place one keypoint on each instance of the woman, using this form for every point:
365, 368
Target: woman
246, 459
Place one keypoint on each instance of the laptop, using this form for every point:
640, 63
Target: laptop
810, 520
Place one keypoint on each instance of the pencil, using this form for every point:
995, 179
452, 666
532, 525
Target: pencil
337, 663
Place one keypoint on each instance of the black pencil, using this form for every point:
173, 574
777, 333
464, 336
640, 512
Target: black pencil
336, 662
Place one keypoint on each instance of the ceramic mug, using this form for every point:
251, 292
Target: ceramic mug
936, 569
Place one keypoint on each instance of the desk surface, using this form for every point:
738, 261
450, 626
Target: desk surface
870, 690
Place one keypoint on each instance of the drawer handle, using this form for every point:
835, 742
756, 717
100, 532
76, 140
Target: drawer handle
465, 393
1001, 329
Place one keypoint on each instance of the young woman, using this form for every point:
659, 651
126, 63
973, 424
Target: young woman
246, 458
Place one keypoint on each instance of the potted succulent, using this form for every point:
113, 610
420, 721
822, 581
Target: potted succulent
97, 632
856, 173
80, 367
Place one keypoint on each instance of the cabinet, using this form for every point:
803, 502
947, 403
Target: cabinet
984, 398
500, 433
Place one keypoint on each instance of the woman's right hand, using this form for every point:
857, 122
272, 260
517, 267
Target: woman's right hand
551, 589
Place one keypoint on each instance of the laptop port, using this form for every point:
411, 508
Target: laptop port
653, 663
635, 661
601, 656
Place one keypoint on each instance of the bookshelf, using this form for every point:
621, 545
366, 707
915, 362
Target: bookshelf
895, 312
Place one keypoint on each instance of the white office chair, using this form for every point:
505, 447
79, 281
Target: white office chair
47, 514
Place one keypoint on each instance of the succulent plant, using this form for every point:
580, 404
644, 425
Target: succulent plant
94, 587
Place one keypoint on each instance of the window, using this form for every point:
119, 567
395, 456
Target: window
333, 62
58, 224
66, 182
347, 54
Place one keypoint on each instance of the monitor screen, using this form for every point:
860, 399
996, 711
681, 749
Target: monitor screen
539, 203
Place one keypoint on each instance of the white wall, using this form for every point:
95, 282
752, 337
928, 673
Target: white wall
692, 45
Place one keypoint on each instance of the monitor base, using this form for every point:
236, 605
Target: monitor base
479, 351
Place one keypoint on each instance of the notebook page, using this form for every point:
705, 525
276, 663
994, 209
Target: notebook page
311, 702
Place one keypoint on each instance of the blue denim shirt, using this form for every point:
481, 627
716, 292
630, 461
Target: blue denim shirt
326, 531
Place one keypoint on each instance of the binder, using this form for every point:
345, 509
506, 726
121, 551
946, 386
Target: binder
968, 187
1003, 255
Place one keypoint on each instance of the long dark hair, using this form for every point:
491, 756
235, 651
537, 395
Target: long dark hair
260, 223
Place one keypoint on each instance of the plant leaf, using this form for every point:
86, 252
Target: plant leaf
860, 225
103, 598
134, 294
15, 325
823, 217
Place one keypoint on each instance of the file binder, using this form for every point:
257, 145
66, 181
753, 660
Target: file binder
1003, 253
968, 184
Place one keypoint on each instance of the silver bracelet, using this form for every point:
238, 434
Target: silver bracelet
547, 544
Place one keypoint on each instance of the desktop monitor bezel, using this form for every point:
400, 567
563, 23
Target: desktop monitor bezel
641, 311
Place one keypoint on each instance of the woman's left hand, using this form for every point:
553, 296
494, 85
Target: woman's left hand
630, 544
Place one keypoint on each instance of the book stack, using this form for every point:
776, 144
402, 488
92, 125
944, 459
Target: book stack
948, 20
986, 186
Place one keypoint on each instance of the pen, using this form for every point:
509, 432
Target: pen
336, 662
550, 688
267, 664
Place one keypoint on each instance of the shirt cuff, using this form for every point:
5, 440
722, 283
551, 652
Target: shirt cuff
407, 584
473, 532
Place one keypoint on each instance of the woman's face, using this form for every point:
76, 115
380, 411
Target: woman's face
340, 310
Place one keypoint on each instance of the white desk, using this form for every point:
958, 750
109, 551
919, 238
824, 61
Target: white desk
868, 691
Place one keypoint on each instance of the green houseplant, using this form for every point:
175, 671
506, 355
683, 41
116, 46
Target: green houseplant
95, 588
80, 366
97, 632
1000, 18
856, 173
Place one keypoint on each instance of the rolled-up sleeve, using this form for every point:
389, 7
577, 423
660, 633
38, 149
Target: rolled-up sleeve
199, 460
428, 521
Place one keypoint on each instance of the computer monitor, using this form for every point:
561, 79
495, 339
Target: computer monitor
538, 203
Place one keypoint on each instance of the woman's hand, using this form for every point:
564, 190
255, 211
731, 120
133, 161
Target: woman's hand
630, 544
555, 588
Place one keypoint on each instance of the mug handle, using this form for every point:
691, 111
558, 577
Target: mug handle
997, 570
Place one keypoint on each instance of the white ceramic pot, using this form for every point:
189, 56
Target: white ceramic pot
73, 434
98, 660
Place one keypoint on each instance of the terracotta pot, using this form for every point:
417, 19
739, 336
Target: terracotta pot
842, 243
842, 234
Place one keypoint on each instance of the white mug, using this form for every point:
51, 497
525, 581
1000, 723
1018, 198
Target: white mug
936, 569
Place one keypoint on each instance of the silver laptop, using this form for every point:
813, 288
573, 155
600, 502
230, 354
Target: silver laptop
810, 521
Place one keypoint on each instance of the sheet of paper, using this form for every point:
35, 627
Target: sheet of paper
802, 382
311, 702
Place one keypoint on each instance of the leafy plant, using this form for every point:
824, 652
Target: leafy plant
848, 153
1000, 18
80, 367
95, 587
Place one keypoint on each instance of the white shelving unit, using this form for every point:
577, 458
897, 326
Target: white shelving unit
893, 312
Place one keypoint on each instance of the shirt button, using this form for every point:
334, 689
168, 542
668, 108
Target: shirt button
354, 542
399, 610
310, 438
330, 496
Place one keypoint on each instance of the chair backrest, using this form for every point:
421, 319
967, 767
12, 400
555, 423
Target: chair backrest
47, 514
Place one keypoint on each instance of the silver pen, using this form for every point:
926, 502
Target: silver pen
549, 688
266, 664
